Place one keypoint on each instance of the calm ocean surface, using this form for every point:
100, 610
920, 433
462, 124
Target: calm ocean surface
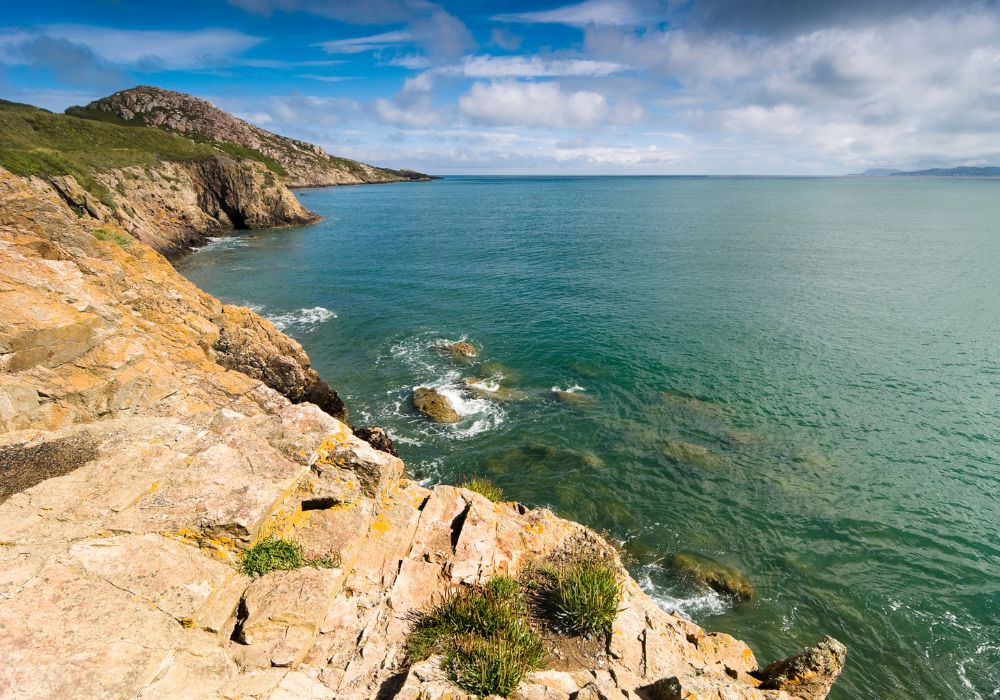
833, 343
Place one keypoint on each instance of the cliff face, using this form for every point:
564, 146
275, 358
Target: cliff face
305, 164
151, 433
172, 206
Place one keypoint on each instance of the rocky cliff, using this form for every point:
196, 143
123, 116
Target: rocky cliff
304, 164
151, 434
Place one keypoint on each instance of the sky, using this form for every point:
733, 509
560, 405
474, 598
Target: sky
782, 87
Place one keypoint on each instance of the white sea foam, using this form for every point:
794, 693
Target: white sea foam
303, 319
575, 388
222, 243
490, 385
696, 606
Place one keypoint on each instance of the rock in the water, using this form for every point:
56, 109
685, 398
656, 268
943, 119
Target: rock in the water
572, 395
810, 674
719, 577
434, 405
458, 349
377, 438
494, 390
680, 451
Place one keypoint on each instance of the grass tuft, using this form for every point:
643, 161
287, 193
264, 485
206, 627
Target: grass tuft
484, 487
280, 555
586, 596
484, 637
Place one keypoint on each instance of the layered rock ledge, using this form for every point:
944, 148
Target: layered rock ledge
151, 433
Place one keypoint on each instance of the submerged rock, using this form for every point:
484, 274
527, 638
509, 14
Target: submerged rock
680, 451
377, 438
434, 405
810, 674
572, 396
719, 577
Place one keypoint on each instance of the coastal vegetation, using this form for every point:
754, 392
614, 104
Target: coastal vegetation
38, 142
279, 555
484, 487
484, 636
585, 595
106, 234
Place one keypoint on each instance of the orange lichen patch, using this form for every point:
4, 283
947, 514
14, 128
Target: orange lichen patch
281, 524
380, 525
223, 547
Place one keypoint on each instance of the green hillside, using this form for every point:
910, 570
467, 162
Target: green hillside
35, 141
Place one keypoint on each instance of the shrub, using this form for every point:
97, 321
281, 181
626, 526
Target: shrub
279, 555
484, 637
106, 234
585, 596
483, 487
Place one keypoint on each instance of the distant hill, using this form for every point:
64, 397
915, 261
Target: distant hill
963, 171
301, 164
879, 172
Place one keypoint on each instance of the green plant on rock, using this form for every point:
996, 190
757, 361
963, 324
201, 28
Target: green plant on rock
280, 555
581, 596
106, 234
483, 635
484, 487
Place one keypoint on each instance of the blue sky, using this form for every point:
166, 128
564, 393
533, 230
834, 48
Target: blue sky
600, 86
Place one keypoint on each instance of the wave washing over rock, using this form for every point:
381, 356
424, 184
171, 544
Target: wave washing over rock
151, 434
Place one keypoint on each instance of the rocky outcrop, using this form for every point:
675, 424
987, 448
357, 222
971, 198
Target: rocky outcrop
459, 349
303, 164
174, 206
145, 442
435, 405
809, 675
377, 438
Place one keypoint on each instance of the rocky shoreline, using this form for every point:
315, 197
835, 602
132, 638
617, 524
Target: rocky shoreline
151, 434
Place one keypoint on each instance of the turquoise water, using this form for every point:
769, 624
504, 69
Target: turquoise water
833, 343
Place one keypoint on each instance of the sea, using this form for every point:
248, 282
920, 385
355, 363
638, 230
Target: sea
796, 377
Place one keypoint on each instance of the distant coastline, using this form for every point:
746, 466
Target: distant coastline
962, 171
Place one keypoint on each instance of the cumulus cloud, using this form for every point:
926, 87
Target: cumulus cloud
533, 104
892, 91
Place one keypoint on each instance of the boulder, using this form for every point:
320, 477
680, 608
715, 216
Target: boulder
434, 405
810, 674
719, 577
377, 438
458, 349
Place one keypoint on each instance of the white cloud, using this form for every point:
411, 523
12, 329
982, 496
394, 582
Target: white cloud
487, 66
910, 91
363, 44
609, 12
143, 49
533, 104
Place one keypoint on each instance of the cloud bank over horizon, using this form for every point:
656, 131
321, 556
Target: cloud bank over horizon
599, 86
